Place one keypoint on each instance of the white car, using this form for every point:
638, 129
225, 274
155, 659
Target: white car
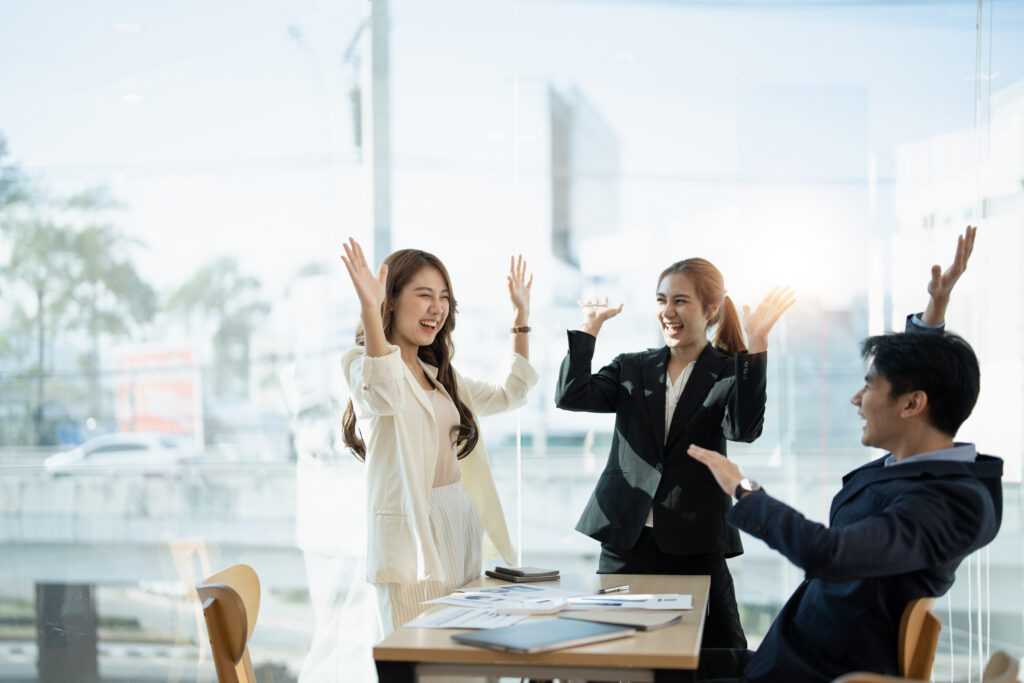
131, 452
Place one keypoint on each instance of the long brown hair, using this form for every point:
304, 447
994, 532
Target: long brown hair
403, 265
710, 286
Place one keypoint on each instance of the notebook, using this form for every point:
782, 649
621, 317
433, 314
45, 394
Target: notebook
529, 578
646, 620
543, 635
526, 571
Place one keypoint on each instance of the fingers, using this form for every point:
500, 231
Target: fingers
964, 247
348, 267
780, 296
517, 271
358, 251
382, 275
774, 304
703, 454
356, 260
348, 258
593, 302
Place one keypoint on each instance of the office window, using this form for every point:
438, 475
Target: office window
176, 183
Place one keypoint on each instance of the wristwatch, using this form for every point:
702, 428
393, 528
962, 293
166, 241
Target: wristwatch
744, 487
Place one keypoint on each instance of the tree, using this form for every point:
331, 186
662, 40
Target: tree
60, 276
107, 295
226, 299
12, 182
40, 258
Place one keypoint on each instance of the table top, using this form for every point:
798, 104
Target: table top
671, 647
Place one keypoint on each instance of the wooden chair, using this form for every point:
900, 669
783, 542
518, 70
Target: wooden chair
918, 641
1001, 668
919, 638
231, 603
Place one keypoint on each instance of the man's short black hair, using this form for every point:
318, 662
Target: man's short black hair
942, 365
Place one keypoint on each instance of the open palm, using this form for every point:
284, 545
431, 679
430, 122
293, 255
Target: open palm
941, 284
519, 286
759, 322
370, 288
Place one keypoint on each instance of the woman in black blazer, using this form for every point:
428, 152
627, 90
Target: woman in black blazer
655, 510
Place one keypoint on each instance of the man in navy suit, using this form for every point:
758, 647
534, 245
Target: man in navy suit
899, 527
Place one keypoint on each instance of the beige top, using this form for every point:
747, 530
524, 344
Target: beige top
446, 471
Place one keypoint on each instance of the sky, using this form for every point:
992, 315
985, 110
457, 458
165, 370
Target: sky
754, 122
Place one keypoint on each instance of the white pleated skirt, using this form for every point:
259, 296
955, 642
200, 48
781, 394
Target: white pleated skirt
458, 535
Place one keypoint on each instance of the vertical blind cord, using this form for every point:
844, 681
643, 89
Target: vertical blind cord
516, 240
988, 157
970, 621
974, 575
949, 620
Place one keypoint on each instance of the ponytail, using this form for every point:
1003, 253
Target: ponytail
729, 333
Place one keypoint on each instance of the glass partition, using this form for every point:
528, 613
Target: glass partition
175, 185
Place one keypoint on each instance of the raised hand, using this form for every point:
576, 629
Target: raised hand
370, 288
941, 284
760, 322
595, 312
519, 289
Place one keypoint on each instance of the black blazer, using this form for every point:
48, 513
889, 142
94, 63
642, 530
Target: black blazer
724, 399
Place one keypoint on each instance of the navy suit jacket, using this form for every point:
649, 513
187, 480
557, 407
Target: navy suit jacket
895, 534
724, 398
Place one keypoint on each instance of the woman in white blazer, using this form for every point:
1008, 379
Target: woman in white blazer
430, 495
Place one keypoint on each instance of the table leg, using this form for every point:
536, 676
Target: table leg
396, 672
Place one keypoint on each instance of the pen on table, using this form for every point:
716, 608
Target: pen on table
614, 589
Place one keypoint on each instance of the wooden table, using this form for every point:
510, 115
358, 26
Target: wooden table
665, 654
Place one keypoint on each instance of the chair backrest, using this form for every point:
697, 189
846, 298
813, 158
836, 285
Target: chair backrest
1002, 668
231, 603
919, 638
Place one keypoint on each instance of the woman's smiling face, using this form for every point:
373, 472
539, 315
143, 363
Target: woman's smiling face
421, 309
680, 312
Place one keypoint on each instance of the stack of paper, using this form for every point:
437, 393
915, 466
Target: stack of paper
655, 601
497, 606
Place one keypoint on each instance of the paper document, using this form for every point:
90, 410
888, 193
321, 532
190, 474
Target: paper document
632, 601
518, 591
540, 606
465, 617
511, 596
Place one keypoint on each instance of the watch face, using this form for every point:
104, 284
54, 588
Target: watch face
744, 487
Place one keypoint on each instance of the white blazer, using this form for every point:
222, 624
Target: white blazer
396, 420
